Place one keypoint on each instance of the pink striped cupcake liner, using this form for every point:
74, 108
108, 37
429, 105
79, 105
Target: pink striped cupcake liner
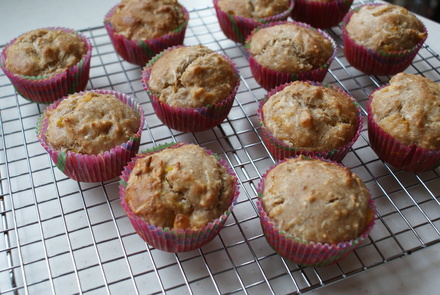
47, 89
93, 168
237, 28
280, 150
170, 239
269, 79
322, 15
306, 253
139, 52
374, 62
189, 119
410, 158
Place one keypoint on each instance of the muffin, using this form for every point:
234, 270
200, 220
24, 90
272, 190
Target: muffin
192, 88
322, 14
404, 122
283, 52
91, 135
140, 29
309, 118
382, 39
314, 212
178, 196
47, 64
237, 19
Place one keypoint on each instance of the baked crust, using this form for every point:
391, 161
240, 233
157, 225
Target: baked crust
44, 52
385, 27
147, 19
182, 187
408, 109
290, 48
316, 201
254, 8
91, 123
192, 76
311, 117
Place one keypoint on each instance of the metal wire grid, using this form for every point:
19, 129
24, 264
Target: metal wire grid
66, 237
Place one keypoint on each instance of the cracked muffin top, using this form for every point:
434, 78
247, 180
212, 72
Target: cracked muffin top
290, 48
316, 201
311, 117
408, 109
44, 52
192, 76
385, 27
180, 188
254, 8
147, 19
90, 123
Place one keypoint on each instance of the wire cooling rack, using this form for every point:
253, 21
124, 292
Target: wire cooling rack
61, 236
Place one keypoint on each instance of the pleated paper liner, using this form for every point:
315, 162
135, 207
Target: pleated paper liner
169, 239
47, 89
189, 119
94, 168
280, 150
306, 253
237, 28
375, 62
139, 52
269, 79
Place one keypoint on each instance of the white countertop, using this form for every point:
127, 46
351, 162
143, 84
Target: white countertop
413, 274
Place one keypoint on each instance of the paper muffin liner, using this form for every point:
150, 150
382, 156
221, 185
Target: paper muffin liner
237, 28
280, 150
410, 158
322, 15
93, 168
306, 253
170, 239
189, 119
376, 62
269, 79
47, 89
139, 52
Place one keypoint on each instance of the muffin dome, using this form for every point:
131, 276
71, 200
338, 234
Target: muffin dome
290, 48
254, 9
316, 201
192, 76
44, 52
90, 123
311, 117
385, 27
183, 187
147, 19
408, 109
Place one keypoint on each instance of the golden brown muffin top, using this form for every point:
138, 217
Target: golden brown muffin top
192, 76
90, 123
316, 201
385, 27
408, 109
311, 117
44, 52
147, 19
290, 48
254, 8
179, 188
